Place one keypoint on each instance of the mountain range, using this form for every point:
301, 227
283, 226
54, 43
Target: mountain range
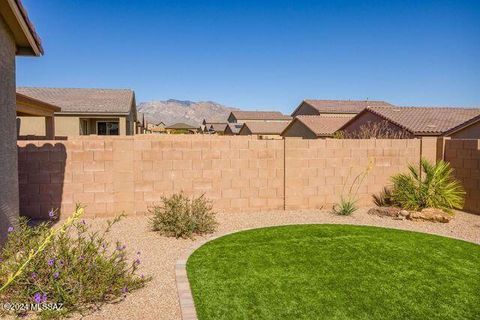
172, 111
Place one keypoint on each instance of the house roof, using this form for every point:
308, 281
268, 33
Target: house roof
265, 127
341, 106
234, 127
322, 126
26, 38
218, 127
260, 115
181, 125
140, 117
33, 107
84, 101
425, 120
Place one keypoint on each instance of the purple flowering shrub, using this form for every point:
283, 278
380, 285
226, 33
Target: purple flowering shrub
79, 268
181, 217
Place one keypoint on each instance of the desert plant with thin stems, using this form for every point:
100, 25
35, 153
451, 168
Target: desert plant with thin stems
180, 216
71, 267
348, 201
430, 186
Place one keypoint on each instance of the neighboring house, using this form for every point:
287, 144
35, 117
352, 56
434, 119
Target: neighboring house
207, 124
264, 130
17, 37
420, 121
156, 128
257, 116
217, 128
42, 111
179, 128
86, 111
335, 107
314, 127
232, 129
141, 124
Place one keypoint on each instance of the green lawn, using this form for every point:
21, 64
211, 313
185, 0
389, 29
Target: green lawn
335, 272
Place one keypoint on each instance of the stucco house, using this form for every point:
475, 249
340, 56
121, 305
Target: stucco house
232, 129
141, 124
315, 127
257, 116
339, 108
264, 130
44, 113
85, 111
156, 128
17, 37
182, 128
414, 122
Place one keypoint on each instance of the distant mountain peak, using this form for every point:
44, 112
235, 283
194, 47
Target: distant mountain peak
172, 111
181, 102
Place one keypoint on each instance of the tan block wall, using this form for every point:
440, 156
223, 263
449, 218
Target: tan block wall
464, 157
319, 171
114, 174
8, 132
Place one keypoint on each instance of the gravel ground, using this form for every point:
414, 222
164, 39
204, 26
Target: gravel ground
158, 300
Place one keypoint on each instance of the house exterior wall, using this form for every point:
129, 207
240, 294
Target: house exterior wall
8, 132
69, 126
299, 130
367, 117
470, 132
306, 110
32, 126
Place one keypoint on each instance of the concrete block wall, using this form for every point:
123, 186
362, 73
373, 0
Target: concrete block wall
128, 174
464, 157
319, 172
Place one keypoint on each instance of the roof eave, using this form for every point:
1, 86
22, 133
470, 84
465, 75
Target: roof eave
26, 39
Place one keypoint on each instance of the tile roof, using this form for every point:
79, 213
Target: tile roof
343, 106
83, 100
274, 127
218, 127
426, 120
234, 127
324, 125
260, 115
181, 125
30, 25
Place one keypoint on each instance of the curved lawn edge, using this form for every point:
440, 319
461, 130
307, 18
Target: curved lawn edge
186, 301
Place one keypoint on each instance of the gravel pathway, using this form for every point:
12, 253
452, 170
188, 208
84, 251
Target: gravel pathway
158, 300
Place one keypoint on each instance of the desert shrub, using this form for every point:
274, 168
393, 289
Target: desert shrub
70, 266
181, 217
433, 186
384, 198
346, 206
378, 130
349, 199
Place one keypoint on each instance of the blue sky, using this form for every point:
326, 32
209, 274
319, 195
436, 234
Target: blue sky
261, 54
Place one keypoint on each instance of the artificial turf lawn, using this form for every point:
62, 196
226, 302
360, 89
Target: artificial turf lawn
335, 272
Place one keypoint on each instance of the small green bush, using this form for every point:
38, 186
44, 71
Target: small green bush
431, 187
384, 198
346, 207
181, 217
72, 266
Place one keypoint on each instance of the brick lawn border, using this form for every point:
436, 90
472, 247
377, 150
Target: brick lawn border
187, 305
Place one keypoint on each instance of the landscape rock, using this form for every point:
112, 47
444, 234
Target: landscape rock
385, 211
430, 214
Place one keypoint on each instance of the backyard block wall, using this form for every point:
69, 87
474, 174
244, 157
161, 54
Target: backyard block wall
128, 174
318, 172
464, 157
